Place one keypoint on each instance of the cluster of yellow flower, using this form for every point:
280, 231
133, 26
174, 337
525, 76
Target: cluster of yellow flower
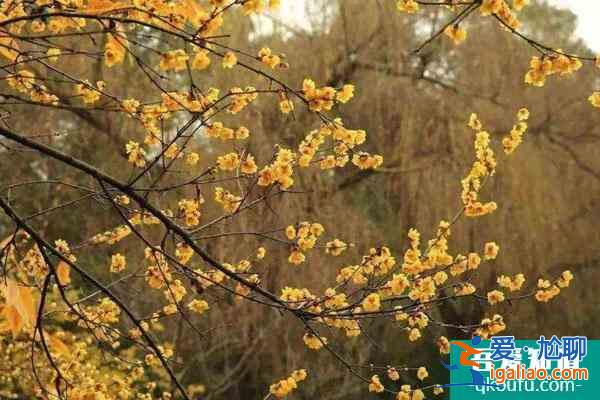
305, 236
546, 65
114, 51
137, 155
112, 236
408, 6
198, 306
594, 99
344, 141
514, 139
456, 33
117, 263
88, 92
407, 393
157, 273
443, 345
228, 162
495, 297
201, 60
378, 262
484, 166
173, 60
294, 295
323, 99
266, 56
258, 6
280, 171
24, 81
547, 291
502, 10
240, 98
228, 200
145, 218
189, 210
175, 101
286, 386
512, 284
490, 326
314, 342
375, 385
336, 247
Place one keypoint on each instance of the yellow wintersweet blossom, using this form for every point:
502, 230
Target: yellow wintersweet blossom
172, 152
319, 99
523, 114
495, 297
344, 95
229, 60
130, 106
174, 60
364, 160
228, 162
286, 106
190, 211
137, 155
519, 4
408, 6
228, 200
375, 385
198, 306
296, 257
114, 52
594, 99
266, 57
117, 263
456, 33
414, 334
512, 284
393, 374
490, 251
489, 7
261, 252
465, 289
422, 373
53, 53
335, 247
539, 69
371, 303
313, 342
192, 158
248, 166
491, 326
201, 60
89, 94
443, 345
286, 386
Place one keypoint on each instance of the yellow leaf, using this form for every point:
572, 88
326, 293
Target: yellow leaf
63, 272
15, 322
9, 48
58, 345
11, 292
20, 298
26, 305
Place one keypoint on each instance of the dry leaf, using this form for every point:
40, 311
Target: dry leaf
63, 272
